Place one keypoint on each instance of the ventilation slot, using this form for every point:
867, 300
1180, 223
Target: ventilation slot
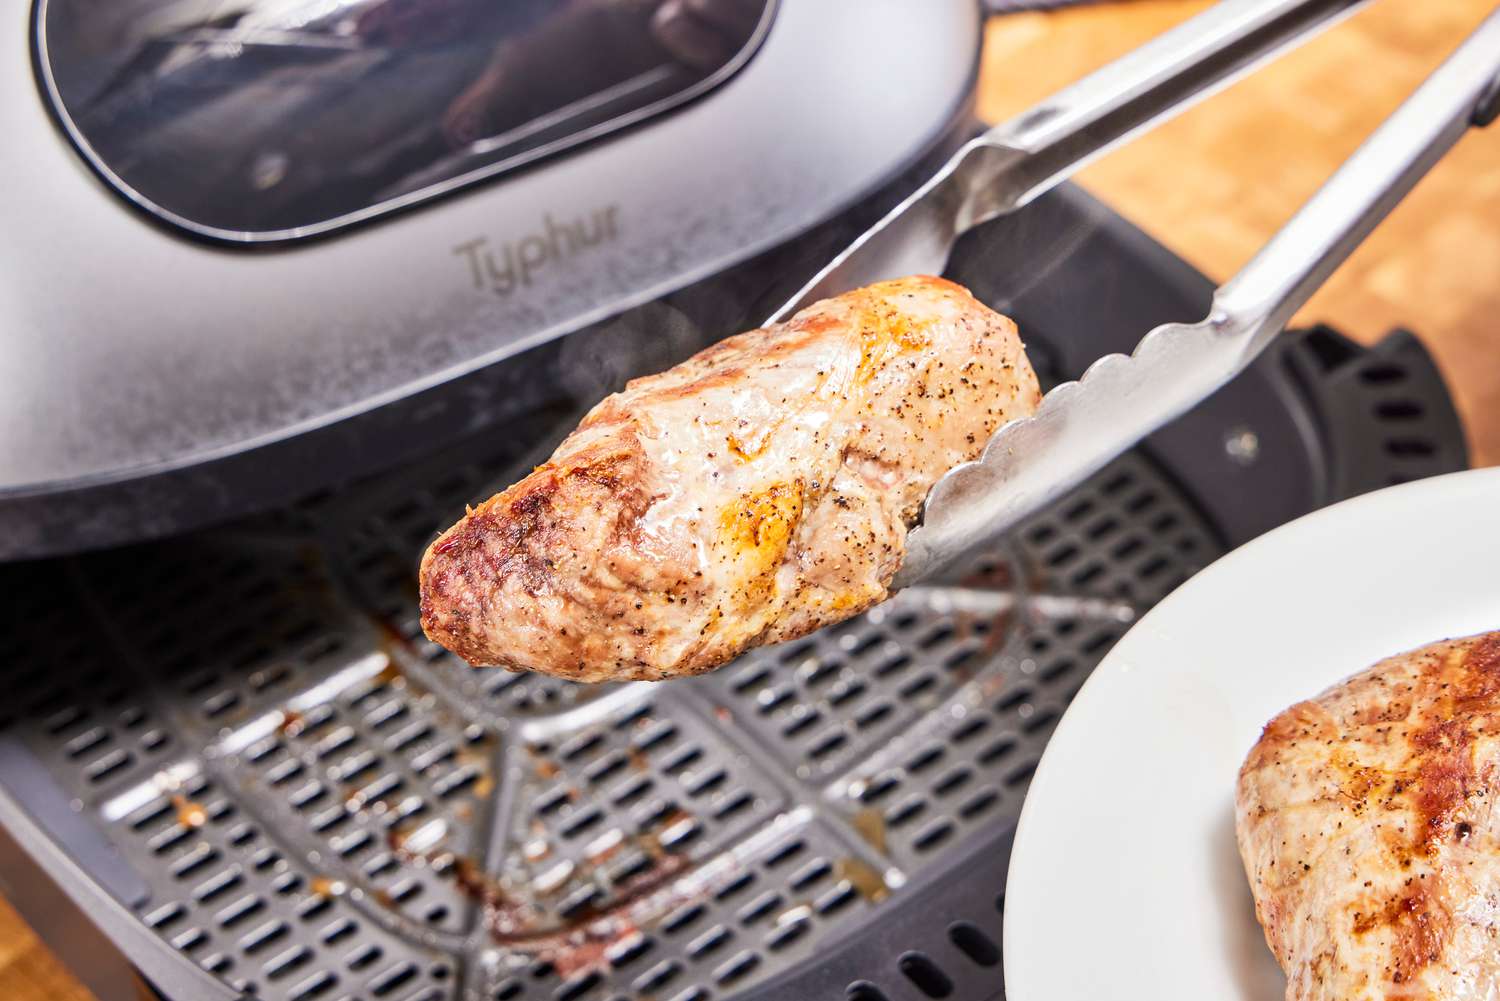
1382, 374
1399, 410
925, 974
974, 943
1410, 448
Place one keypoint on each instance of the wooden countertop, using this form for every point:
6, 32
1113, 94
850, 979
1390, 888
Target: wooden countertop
1213, 185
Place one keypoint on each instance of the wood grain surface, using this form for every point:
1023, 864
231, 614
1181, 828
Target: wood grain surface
1213, 185
28, 970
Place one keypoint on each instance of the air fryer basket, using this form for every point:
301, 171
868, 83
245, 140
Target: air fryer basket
246, 745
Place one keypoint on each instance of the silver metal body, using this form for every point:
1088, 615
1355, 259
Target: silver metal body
126, 349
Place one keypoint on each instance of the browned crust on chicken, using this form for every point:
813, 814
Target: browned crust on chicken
757, 491
1365, 818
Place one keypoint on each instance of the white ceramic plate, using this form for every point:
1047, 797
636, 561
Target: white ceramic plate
1125, 881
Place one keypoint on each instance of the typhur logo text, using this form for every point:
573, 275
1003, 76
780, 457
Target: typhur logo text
510, 266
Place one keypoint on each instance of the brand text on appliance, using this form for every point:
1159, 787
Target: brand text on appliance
512, 265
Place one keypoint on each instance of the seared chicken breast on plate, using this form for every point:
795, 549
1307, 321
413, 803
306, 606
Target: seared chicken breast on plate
757, 491
1366, 820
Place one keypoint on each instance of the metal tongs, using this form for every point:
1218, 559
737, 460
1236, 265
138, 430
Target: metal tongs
1081, 425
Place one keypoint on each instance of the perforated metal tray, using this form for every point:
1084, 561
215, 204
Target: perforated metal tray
241, 746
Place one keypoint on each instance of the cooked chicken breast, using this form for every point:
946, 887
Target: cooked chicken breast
1366, 820
757, 491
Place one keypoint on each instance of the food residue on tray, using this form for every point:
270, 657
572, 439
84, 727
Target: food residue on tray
869, 823
190, 813
292, 723
578, 943
326, 887
863, 877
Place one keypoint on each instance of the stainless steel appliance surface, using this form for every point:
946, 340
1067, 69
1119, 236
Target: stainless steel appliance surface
193, 285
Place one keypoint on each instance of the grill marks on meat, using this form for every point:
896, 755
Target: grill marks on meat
1366, 821
757, 491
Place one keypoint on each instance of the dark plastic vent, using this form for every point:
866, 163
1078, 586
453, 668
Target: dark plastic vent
1385, 409
925, 974
974, 943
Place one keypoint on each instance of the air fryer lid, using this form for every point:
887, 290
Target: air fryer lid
130, 350
267, 118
